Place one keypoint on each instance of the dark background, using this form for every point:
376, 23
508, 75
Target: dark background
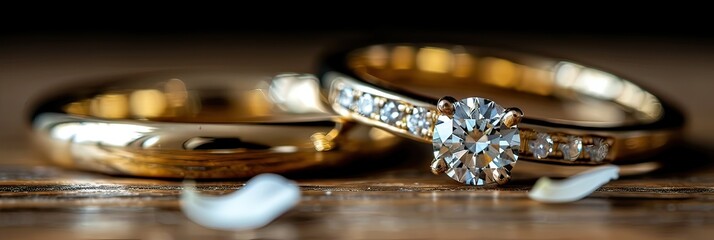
668, 51
559, 18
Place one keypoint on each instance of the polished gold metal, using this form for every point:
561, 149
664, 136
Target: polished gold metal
512, 117
562, 98
438, 166
197, 124
446, 105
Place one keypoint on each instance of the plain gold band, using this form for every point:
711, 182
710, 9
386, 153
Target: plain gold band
193, 124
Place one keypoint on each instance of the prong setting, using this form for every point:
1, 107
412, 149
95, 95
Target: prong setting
512, 117
446, 105
438, 166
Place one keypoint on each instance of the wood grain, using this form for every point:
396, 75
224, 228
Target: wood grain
404, 201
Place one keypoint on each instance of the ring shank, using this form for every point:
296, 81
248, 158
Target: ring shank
552, 90
594, 105
193, 124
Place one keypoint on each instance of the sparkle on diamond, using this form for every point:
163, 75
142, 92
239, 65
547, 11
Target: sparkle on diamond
477, 148
390, 113
416, 121
345, 98
542, 146
572, 149
598, 151
365, 105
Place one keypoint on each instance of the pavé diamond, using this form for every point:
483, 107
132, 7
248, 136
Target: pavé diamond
476, 147
572, 149
390, 113
416, 121
598, 151
541, 146
345, 98
365, 105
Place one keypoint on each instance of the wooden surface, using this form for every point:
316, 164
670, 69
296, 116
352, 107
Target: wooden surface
401, 201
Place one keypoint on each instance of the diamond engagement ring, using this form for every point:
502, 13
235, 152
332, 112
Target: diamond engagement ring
572, 114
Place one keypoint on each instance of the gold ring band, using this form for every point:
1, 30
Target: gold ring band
193, 124
399, 87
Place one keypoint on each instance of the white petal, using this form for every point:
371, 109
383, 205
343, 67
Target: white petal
263, 199
573, 188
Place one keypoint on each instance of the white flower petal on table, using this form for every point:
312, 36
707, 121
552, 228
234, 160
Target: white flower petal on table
263, 199
573, 188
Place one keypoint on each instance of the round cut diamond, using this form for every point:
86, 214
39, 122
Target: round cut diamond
475, 145
365, 105
416, 121
598, 151
390, 113
572, 149
541, 146
345, 98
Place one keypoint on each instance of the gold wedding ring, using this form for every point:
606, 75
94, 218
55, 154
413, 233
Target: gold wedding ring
560, 112
197, 124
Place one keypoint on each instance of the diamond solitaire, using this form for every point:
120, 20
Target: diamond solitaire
475, 141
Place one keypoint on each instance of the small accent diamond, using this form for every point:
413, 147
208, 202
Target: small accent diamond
598, 151
416, 121
365, 105
572, 149
345, 98
390, 113
541, 146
